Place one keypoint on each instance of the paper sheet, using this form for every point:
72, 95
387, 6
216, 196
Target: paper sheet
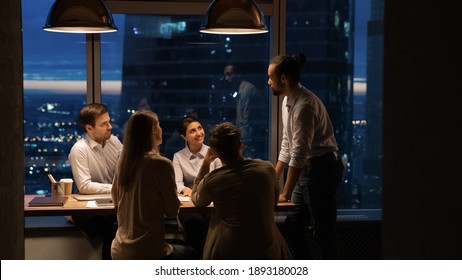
91, 204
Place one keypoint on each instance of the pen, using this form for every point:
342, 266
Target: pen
52, 179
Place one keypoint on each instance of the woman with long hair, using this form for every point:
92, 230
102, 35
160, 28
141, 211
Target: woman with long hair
144, 192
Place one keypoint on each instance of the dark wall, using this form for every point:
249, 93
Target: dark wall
422, 190
11, 133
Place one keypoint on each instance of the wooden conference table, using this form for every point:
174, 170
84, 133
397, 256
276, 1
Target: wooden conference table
79, 207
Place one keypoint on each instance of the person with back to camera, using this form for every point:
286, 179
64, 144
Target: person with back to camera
144, 193
244, 193
93, 161
186, 164
309, 149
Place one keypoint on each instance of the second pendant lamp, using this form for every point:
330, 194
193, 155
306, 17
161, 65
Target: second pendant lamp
234, 17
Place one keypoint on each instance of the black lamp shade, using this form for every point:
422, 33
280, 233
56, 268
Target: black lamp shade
80, 16
234, 17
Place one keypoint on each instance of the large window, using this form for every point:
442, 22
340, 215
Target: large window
54, 91
159, 60
166, 65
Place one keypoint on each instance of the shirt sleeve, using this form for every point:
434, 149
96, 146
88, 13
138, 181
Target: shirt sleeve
79, 162
303, 133
284, 154
179, 177
120, 147
216, 164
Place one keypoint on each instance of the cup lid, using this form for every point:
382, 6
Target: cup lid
66, 180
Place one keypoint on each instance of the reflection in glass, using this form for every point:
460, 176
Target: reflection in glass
333, 38
172, 69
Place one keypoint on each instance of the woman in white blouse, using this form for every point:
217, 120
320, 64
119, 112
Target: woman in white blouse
186, 164
188, 161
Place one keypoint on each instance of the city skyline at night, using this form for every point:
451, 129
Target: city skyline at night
58, 84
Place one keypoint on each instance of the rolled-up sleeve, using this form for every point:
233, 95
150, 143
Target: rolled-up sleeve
303, 122
284, 154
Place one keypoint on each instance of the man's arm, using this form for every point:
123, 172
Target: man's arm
280, 166
199, 196
292, 177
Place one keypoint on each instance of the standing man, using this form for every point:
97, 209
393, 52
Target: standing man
93, 161
249, 109
309, 149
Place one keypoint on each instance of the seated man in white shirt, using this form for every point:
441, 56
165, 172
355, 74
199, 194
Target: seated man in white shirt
93, 161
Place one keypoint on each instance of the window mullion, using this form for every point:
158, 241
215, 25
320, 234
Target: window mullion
93, 44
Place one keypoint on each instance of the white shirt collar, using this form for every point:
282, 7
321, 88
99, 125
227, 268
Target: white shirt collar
92, 143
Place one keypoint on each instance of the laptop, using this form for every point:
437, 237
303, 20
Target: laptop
88, 197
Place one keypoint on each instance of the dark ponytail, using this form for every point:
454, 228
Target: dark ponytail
290, 66
299, 59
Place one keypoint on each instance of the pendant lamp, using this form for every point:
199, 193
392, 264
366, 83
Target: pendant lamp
80, 16
234, 17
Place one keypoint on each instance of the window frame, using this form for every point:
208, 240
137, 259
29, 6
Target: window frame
275, 9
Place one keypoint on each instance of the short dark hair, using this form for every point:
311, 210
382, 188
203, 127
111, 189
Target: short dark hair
89, 113
237, 70
225, 139
291, 66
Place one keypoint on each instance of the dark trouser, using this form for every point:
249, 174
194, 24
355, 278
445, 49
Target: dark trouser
315, 202
104, 227
181, 251
195, 227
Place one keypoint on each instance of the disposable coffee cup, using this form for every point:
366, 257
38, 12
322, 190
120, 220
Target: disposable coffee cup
66, 185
